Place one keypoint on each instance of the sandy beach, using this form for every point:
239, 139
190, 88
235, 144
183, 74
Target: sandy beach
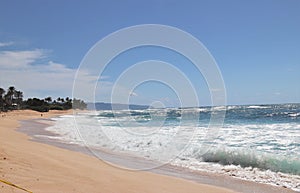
37, 167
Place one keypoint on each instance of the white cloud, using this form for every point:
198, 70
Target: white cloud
33, 73
4, 44
36, 75
20, 59
277, 93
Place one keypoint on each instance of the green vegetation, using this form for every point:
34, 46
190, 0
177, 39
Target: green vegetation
12, 99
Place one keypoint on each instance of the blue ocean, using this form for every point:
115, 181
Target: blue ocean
259, 143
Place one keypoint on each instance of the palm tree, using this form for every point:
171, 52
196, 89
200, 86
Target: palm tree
11, 92
48, 99
9, 96
18, 97
2, 92
68, 103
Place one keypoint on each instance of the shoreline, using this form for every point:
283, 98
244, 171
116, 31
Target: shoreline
117, 160
113, 159
40, 167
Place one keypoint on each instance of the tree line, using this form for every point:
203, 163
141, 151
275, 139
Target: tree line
12, 99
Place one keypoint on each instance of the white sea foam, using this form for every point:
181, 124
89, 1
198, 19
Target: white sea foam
294, 114
232, 107
277, 140
247, 173
257, 107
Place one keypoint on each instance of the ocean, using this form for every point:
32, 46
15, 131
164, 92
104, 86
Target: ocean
258, 143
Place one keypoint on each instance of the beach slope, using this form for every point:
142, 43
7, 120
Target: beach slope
37, 167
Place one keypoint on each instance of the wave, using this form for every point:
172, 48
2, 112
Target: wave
294, 115
257, 107
253, 159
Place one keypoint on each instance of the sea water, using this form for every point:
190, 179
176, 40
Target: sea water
260, 143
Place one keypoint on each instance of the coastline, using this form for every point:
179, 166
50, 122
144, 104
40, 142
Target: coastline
51, 162
40, 167
123, 161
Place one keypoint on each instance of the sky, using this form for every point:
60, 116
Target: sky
255, 44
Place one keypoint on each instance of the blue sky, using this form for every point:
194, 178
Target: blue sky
256, 45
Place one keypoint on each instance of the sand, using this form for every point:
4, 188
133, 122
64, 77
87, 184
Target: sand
39, 167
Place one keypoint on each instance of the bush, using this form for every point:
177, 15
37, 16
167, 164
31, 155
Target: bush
39, 108
56, 107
